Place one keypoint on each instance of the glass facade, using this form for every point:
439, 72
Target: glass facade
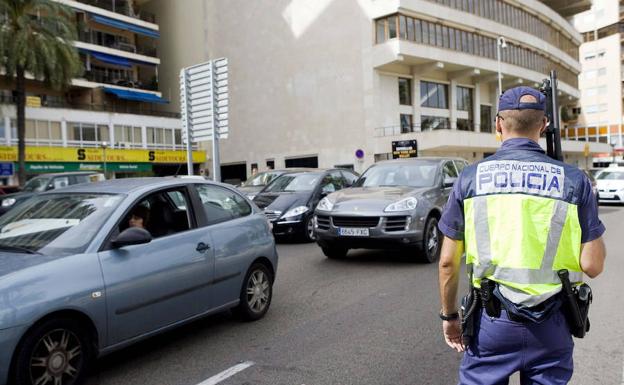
455, 39
464, 99
405, 91
428, 123
433, 95
406, 123
515, 17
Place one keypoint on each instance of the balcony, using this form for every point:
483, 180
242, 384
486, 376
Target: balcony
116, 42
106, 77
568, 8
121, 7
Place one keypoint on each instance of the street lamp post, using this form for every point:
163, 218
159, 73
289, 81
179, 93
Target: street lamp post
104, 146
500, 43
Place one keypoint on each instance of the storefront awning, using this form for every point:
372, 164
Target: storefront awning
136, 95
125, 26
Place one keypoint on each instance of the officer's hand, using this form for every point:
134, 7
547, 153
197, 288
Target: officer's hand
452, 335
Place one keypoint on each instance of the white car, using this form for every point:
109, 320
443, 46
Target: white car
611, 185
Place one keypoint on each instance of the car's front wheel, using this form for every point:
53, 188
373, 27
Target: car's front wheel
308, 228
432, 241
55, 352
256, 293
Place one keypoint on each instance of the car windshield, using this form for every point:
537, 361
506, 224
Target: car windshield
54, 224
36, 184
262, 179
413, 174
294, 183
611, 175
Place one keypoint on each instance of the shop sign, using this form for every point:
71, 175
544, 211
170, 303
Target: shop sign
6, 169
404, 149
96, 167
96, 155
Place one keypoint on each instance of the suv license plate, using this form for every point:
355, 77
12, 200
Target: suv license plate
353, 232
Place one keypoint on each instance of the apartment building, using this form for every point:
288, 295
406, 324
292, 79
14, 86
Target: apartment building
337, 83
109, 110
598, 115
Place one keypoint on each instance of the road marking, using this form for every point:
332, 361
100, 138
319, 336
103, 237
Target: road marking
224, 375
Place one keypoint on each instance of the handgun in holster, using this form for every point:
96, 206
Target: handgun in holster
576, 301
469, 305
490, 303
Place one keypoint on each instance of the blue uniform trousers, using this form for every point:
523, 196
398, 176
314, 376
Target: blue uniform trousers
542, 353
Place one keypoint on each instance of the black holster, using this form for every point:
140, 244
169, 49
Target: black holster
490, 303
469, 312
576, 301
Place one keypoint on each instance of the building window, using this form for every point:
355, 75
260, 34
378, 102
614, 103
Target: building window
465, 125
486, 118
405, 91
464, 99
392, 27
381, 30
406, 123
428, 123
433, 95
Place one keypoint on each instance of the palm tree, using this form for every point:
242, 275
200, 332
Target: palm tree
36, 40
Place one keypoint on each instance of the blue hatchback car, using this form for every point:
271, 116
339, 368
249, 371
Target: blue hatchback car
92, 268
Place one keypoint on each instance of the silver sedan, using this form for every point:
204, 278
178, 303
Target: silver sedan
394, 204
89, 269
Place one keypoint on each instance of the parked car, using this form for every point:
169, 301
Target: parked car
95, 267
254, 185
611, 185
46, 182
289, 200
394, 204
594, 184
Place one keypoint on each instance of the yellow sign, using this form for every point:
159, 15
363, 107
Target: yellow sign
586, 149
65, 154
33, 101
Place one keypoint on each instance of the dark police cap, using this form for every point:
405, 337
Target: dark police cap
510, 99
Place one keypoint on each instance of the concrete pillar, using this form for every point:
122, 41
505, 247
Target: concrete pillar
476, 107
453, 104
64, 132
111, 134
416, 102
144, 136
7, 130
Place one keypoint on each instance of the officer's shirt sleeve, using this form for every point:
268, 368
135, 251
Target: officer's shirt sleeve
452, 221
591, 226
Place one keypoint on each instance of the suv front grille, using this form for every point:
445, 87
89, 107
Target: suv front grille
323, 222
395, 223
272, 215
355, 221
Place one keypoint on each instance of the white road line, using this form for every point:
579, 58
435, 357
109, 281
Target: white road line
224, 375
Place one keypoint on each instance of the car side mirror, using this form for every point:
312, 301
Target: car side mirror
131, 236
449, 181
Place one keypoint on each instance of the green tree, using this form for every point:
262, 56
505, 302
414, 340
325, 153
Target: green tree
36, 40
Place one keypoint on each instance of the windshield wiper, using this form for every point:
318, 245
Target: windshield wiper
19, 249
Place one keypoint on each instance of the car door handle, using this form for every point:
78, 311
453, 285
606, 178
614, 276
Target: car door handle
201, 247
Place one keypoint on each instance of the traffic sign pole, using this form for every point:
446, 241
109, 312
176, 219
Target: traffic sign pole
204, 108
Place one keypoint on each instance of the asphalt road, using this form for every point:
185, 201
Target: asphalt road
369, 319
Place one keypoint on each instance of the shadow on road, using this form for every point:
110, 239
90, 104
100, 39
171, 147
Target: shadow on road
381, 257
609, 208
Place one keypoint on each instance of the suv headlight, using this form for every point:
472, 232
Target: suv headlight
8, 202
325, 204
295, 212
402, 205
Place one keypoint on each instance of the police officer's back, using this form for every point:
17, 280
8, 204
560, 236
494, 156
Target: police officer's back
520, 217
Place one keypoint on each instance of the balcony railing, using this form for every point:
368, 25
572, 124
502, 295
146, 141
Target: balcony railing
88, 37
99, 76
122, 7
137, 109
401, 130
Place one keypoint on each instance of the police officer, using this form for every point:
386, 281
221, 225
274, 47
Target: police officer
519, 216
